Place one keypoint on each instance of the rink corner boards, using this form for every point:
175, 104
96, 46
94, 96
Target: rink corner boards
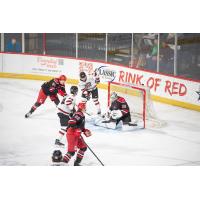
102, 86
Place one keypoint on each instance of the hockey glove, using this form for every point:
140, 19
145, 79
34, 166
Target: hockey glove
87, 133
86, 95
70, 115
62, 93
97, 80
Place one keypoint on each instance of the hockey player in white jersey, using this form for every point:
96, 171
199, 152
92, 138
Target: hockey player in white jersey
66, 109
88, 86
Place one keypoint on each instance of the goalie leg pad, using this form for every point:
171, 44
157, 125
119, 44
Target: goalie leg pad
110, 125
126, 118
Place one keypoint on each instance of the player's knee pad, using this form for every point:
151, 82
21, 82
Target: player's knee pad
95, 99
84, 149
71, 153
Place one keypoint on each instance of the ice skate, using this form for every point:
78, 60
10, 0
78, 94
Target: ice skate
27, 115
57, 142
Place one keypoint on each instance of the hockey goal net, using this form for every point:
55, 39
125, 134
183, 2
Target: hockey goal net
139, 101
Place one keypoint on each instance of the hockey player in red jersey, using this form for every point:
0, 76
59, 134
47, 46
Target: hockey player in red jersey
76, 126
50, 89
119, 109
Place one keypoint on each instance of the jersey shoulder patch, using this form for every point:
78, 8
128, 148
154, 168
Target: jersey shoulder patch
121, 100
79, 113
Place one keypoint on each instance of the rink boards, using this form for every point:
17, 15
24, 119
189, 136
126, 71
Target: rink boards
164, 88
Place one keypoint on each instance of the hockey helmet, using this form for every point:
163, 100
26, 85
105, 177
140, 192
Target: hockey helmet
83, 76
62, 78
57, 156
113, 96
82, 106
74, 90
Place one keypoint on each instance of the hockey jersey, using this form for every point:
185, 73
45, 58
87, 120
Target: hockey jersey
53, 87
77, 121
120, 104
67, 105
90, 84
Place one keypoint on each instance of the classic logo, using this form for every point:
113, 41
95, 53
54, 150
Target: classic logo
106, 73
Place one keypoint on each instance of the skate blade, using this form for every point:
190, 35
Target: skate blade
59, 146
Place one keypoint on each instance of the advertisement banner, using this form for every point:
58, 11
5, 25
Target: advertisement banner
160, 85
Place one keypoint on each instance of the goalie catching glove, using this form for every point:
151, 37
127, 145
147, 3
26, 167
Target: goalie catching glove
116, 114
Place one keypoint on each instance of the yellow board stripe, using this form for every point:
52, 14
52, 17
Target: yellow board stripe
33, 77
102, 86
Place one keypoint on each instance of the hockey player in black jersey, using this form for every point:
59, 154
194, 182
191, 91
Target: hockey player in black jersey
50, 89
118, 111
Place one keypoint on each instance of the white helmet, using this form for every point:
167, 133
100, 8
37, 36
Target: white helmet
113, 96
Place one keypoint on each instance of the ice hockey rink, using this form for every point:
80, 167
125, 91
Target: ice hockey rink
31, 141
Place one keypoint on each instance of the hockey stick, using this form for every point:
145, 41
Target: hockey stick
89, 114
92, 152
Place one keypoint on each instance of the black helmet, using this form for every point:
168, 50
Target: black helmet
83, 75
74, 90
57, 156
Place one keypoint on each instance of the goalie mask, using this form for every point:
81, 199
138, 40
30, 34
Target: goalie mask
113, 96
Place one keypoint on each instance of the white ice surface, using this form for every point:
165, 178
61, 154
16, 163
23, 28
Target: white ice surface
31, 141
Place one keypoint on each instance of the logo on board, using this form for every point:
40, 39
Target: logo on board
106, 73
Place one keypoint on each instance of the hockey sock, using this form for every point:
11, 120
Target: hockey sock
34, 107
67, 157
79, 156
97, 104
61, 133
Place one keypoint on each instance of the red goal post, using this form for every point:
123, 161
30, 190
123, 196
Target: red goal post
126, 89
